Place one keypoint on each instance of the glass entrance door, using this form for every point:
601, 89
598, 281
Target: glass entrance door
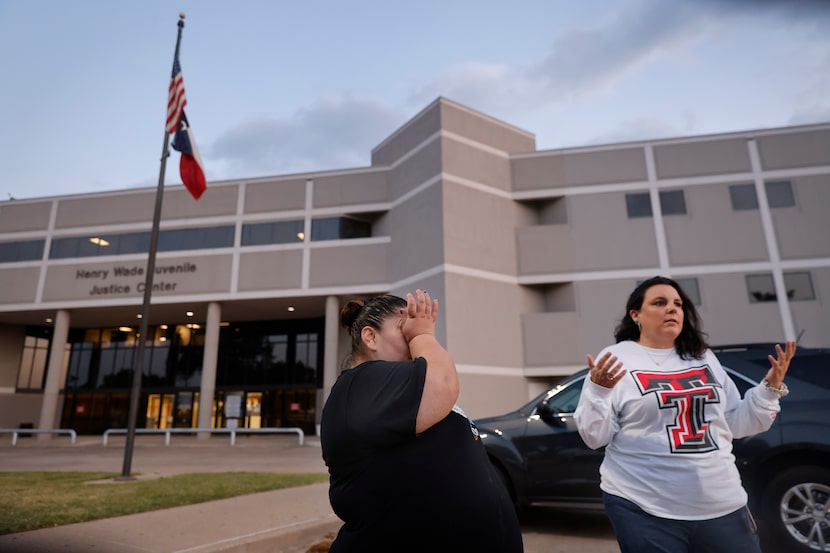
187, 410
253, 410
160, 410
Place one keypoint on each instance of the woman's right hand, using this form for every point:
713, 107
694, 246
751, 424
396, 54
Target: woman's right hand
607, 371
420, 315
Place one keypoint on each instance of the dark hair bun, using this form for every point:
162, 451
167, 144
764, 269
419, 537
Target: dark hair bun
349, 313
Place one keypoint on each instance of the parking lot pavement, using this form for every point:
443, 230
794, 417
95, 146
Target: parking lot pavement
554, 531
259, 522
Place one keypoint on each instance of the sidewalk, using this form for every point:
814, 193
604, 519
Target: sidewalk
287, 521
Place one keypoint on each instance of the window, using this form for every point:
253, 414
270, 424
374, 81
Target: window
799, 286
638, 205
33, 363
672, 202
278, 232
195, 238
305, 355
564, 401
691, 288
743, 197
761, 287
779, 194
28, 250
270, 354
339, 228
139, 242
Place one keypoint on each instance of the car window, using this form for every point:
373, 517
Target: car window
814, 369
565, 400
741, 382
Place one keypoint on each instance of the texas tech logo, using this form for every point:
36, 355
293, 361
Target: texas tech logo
687, 392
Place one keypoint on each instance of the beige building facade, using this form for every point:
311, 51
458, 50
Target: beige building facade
531, 253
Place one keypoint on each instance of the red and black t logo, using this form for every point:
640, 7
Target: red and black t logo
688, 392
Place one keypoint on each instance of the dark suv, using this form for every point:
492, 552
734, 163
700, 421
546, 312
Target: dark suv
785, 470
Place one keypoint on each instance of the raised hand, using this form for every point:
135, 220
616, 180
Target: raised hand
780, 363
421, 312
607, 371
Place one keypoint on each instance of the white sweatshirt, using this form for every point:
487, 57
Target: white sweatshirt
668, 429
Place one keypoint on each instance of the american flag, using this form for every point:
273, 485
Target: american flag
175, 99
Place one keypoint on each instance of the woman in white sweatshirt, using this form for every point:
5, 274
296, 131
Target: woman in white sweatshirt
667, 413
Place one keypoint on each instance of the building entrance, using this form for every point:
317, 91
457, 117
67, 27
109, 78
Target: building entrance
268, 375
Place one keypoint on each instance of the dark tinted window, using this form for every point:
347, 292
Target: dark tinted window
638, 205
814, 369
195, 238
743, 197
809, 370
139, 242
740, 380
133, 242
339, 228
780, 194
672, 202
27, 250
566, 400
761, 288
278, 232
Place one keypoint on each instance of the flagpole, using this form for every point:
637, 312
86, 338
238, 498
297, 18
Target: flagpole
138, 366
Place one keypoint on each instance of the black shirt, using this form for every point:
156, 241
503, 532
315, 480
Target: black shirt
401, 491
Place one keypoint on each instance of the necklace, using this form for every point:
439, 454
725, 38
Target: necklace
662, 354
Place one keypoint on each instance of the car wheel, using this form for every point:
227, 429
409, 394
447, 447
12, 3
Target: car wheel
796, 507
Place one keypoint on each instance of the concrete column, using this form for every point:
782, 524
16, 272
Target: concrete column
330, 350
208, 386
54, 372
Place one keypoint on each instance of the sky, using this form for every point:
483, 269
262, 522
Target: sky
276, 87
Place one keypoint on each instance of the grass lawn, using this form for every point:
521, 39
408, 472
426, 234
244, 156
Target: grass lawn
32, 500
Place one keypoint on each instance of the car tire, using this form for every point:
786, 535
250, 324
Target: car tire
796, 509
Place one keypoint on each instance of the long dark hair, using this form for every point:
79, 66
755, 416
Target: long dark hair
690, 344
358, 314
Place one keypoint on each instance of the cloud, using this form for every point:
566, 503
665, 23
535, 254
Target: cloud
581, 60
807, 10
590, 59
813, 105
331, 133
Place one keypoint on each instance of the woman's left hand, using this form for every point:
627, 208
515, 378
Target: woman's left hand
780, 363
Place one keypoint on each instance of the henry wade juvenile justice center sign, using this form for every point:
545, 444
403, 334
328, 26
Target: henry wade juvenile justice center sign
90, 281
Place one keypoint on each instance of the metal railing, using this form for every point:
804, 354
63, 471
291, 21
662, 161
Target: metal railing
15, 432
232, 431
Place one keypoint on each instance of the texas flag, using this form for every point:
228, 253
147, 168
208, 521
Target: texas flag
190, 166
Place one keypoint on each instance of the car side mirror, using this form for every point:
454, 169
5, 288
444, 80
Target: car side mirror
548, 415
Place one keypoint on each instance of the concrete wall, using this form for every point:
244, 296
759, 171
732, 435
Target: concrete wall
275, 196
19, 285
705, 157
138, 207
712, 232
561, 169
802, 230
791, 150
20, 216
